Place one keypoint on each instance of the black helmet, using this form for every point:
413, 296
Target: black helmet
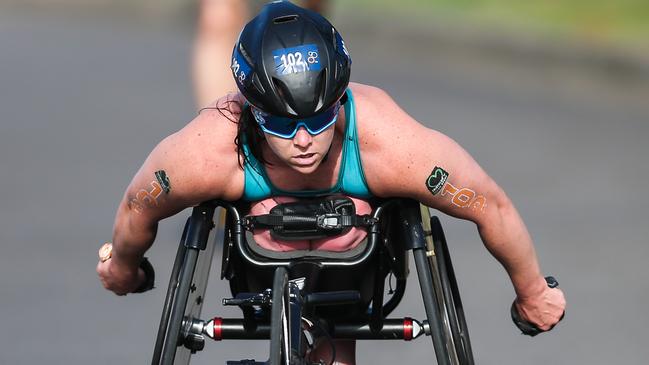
290, 61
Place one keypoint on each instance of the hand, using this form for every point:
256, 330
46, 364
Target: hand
119, 279
544, 309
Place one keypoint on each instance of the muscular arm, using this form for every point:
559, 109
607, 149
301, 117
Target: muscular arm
196, 164
432, 168
151, 197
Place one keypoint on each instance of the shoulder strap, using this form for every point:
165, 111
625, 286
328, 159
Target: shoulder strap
352, 177
256, 186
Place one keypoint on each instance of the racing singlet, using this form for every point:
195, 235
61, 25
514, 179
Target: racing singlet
351, 179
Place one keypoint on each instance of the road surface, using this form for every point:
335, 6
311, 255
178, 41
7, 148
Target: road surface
83, 100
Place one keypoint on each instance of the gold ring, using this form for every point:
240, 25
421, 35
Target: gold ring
105, 252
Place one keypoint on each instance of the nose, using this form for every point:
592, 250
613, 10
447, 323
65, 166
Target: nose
302, 138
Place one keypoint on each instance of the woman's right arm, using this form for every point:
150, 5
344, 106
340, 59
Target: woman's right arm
196, 164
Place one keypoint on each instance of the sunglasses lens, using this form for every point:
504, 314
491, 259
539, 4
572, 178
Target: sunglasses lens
287, 127
317, 123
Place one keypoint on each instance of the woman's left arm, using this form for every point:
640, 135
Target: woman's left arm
430, 167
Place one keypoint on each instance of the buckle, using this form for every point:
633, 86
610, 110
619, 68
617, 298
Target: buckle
329, 221
248, 223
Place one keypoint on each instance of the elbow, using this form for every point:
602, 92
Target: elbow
497, 211
132, 224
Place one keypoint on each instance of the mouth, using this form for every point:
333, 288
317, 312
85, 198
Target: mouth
305, 159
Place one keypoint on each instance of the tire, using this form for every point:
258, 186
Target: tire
184, 300
450, 303
280, 320
169, 300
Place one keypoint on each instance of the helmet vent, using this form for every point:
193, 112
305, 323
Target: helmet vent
245, 55
285, 19
284, 96
321, 86
257, 84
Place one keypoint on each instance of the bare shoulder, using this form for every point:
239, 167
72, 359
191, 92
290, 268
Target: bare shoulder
403, 158
389, 138
380, 119
370, 101
201, 157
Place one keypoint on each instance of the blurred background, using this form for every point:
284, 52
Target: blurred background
551, 98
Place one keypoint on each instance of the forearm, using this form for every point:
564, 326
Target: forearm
133, 235
505, 236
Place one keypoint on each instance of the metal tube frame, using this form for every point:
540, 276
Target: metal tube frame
412, 220
196, 237
196, 240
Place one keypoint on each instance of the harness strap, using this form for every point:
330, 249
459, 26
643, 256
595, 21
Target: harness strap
329, 221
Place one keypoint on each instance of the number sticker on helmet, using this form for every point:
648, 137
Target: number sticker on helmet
297, 59
240, 68
313, 57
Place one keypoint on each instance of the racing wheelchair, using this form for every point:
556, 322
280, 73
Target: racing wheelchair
296, 298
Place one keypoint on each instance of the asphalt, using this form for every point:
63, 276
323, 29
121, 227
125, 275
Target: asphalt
83, 99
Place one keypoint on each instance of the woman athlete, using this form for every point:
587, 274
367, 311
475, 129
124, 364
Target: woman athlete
297, 129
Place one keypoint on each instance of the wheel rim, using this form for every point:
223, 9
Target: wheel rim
280, 320
455, 329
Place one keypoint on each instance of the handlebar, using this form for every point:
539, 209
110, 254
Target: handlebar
333, 297
250, 299
149, 275
526, 327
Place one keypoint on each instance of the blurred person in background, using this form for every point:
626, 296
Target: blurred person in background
218, 26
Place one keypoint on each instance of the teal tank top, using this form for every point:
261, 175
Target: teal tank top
351, 179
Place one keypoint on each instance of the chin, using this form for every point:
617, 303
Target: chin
306, 170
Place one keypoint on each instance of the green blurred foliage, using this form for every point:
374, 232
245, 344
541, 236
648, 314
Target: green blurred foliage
599, 20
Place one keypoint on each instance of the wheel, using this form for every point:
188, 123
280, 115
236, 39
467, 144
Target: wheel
280, 320
169, 300
184, 301
455, 329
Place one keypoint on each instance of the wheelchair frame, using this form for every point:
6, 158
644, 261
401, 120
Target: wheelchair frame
407, 227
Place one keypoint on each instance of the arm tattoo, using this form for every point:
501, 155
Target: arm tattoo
145, 198
436, 180
465, 198
163, 180
460, 197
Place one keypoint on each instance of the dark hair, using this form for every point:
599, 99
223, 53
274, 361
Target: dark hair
247, 130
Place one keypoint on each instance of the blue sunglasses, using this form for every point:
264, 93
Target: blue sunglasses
285, 127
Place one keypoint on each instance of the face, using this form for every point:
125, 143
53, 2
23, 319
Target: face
303, 143
304, 152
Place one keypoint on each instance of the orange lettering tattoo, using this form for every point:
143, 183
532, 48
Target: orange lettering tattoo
144, 198
465, 197
479, 204
449, 189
